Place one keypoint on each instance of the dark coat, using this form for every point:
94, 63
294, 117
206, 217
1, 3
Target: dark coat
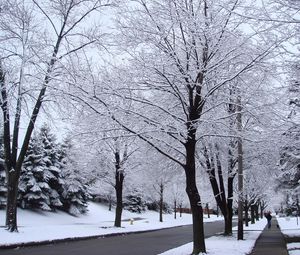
268, 216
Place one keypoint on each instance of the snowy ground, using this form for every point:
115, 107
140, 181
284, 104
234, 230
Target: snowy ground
43, 226
290, 226
217, 245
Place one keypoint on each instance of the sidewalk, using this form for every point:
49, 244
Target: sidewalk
270, 242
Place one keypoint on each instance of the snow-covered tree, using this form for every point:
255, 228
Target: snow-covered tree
34, 190
177, 194
178, 54
134, 201
182, 53
111, 156
158, 181
52, 169
36, 39
74, 189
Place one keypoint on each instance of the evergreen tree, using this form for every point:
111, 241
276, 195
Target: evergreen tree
75, 191
134, 202
52, 170
34, 191
50, 178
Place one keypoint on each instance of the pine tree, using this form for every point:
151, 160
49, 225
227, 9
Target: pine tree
75, 192
50, 178
52, 170
134, 202
34, 191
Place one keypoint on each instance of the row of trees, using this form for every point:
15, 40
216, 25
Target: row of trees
197, 79
289, 163
188, 62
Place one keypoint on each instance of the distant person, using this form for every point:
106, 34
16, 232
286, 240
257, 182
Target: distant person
269, 218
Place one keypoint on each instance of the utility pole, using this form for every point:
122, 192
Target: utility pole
240, 170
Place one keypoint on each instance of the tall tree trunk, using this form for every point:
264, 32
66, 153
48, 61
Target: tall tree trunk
252, 210
109, 204
263, 206
194, 198
119, 178
207, 210
119, 207
261, 210
180, 210
175, 208
229, 204
161, 201
231, 172
256, 212
11, 202
246, 210
219, 193
228, 218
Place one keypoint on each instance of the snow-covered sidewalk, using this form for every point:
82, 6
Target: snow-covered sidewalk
47, 226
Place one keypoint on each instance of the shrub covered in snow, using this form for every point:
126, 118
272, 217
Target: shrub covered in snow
134, 202
75, 192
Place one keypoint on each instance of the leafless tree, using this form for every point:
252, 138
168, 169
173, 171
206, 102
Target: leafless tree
21, 25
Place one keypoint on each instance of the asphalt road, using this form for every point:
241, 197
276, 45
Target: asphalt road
149, 243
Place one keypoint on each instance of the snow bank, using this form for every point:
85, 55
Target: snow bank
45, 226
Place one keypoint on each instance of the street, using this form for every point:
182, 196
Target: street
149, 243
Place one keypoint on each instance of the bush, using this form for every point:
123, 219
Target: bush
154, 206
134, 202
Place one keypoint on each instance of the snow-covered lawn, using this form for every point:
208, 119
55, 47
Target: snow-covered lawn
217, 245
43, 226
291, 227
